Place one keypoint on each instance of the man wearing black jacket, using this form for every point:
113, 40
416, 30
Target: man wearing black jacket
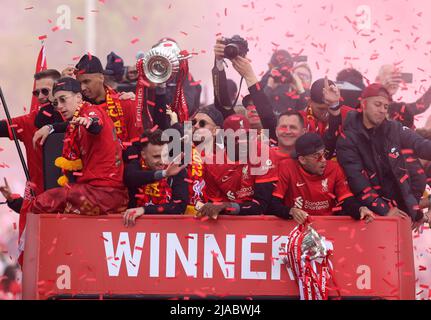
401, 111
153, 187
379, 158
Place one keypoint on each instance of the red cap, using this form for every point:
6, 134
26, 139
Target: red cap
376, 90
236, 122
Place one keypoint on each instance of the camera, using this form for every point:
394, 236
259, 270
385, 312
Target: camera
235, 46
282, 74
407, 77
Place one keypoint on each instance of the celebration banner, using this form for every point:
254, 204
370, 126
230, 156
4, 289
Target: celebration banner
70, 256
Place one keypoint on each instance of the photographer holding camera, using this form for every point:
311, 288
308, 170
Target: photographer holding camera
283, 87
222, 100
391, 78
236, 49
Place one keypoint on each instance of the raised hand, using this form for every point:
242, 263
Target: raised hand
331, 94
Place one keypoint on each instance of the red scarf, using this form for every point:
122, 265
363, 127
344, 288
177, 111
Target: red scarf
71, 156
159, 192
115, 112
179, 105
314, 124
197, 183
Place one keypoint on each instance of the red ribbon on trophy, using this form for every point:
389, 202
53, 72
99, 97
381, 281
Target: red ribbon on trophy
307, 255
179, 105
141, 98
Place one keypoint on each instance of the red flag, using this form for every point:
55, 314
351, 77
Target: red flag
25, 208
40, 66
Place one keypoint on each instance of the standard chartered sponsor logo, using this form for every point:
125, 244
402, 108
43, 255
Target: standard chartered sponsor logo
318, 205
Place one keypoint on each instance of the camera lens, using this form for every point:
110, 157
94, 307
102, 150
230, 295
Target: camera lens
231, 51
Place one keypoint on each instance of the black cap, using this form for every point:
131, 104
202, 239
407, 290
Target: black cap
89, 64
247, 101
213, 113
281, 57
66, 84
308, 143
114, 65
316, 91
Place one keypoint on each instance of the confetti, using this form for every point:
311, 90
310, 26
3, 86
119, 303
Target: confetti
134, 41
404, 178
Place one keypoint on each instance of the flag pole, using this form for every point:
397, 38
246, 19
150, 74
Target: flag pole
18, 147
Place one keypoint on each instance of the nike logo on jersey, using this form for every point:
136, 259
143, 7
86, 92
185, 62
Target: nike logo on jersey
225, 178
300, 184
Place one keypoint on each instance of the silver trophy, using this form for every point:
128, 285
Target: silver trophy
313, 245
162, 62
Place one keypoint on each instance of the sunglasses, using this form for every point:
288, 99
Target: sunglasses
62, 100
201, 123
44, 91
317, 156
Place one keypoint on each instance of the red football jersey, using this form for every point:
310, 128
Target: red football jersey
235, 182
312, 124
25, 130
316, 195
270, 168
100, 153
229, 182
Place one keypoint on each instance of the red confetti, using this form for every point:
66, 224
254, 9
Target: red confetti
359, 248
134, 41
43, 37
80, 18
404, 178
